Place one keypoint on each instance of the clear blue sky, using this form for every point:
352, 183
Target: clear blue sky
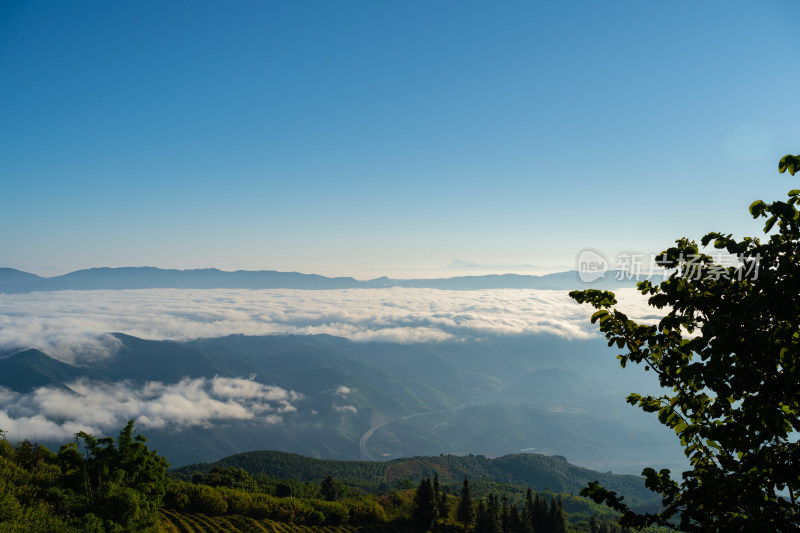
351, 135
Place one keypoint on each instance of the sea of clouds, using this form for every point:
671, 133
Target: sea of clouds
74, 326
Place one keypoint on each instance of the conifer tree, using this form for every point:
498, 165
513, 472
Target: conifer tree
465, 512
441, 499
492, 513
556, 520
539, 514
550, 516
505, 516
526, 522
529, 503
424, 505
515, 521
481, 520
443, 507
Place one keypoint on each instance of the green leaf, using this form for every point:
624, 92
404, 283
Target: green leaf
757, 207
789, 163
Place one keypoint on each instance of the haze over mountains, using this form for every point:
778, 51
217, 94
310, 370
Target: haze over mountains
319, 395
212, 363
15, 281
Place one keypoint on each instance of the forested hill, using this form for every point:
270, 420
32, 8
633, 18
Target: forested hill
540, 472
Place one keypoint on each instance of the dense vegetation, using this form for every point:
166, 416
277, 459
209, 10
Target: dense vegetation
89, 485
540, 472
119, 485
727, 354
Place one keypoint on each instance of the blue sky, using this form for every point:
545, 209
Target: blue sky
361, 137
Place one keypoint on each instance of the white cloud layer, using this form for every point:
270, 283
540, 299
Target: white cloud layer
73, 325
345, 409
97, 407
342, 391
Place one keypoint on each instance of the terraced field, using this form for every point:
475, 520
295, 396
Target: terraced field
174, 522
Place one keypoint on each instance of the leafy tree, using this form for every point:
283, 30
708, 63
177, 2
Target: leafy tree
231, 477
465, 511
283, 490
404, 483
32, 457
728, 353
329, 489
122, 483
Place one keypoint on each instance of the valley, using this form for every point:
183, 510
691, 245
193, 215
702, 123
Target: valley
330, 397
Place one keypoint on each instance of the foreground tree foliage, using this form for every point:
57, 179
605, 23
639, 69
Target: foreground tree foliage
116, 485
728, 352
122, 482
90, 485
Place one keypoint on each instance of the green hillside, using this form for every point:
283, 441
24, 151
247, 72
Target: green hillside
540, 472
120, 485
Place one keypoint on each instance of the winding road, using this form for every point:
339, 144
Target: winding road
362, 443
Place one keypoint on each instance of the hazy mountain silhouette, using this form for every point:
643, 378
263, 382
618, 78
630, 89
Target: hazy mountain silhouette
15, 281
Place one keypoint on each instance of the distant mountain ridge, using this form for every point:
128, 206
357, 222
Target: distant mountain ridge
16, 281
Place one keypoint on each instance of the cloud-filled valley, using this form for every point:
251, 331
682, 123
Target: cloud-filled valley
402, 351
72, 325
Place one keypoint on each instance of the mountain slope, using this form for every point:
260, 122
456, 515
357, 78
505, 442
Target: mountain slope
540, 472
496, 396
15, 281
27, 370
